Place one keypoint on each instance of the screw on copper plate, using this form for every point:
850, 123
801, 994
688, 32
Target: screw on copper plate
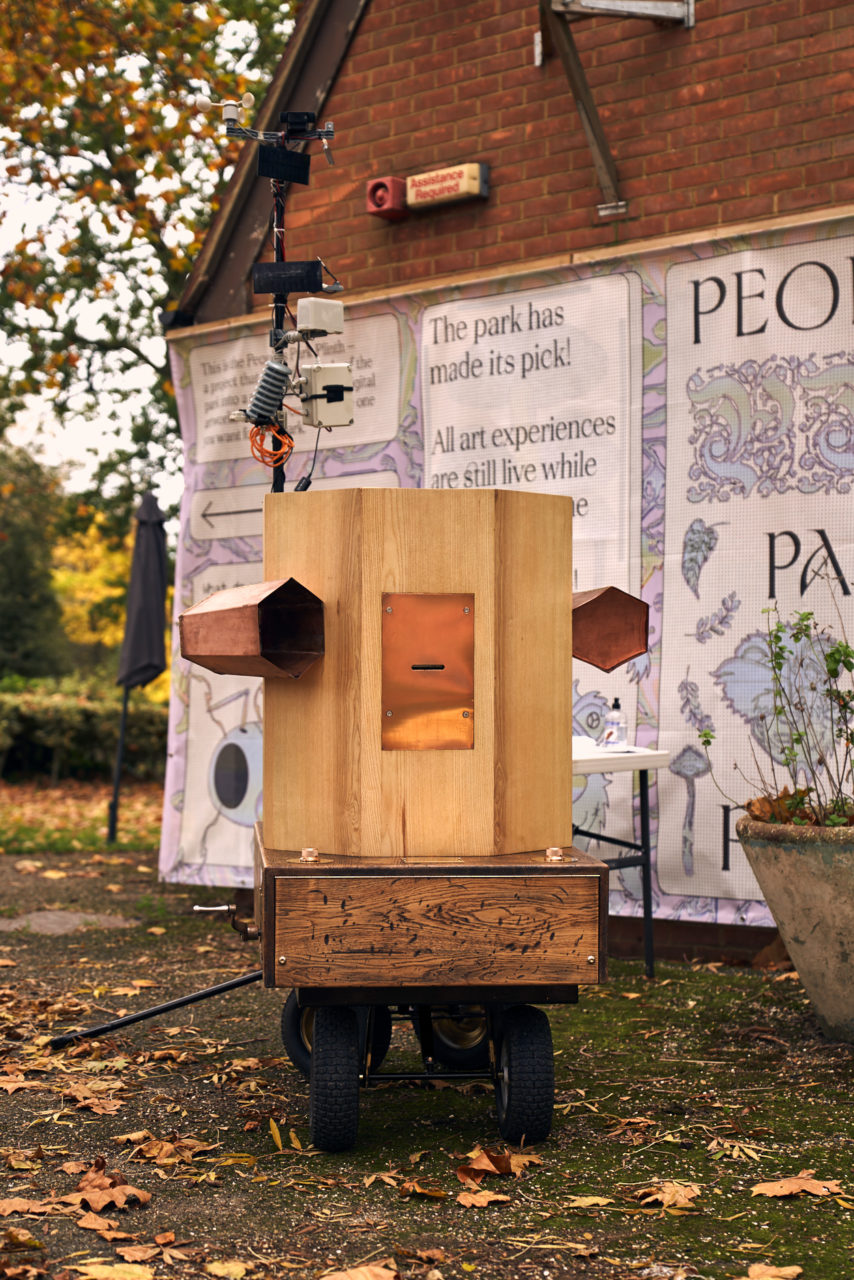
554, 854
308, 855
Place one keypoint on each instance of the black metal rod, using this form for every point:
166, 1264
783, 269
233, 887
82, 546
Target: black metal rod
59, 1042
646, 875
427, 1076
117, 772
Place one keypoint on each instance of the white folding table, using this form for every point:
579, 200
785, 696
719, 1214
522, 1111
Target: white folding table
588, 757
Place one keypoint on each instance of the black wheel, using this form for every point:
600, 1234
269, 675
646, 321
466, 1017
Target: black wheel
380, 1031
333, 1109
460, 1037
298, 1030
525, 1086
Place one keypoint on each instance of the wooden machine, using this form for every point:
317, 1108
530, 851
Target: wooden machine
416, 849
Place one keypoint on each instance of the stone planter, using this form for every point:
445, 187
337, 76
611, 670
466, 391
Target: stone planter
806, 875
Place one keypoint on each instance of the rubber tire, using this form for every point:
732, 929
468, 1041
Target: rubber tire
333, 1108
296, 1033
297, 1030
525, 1084
453, 1056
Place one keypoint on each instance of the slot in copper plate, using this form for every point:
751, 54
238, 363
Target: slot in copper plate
427, 672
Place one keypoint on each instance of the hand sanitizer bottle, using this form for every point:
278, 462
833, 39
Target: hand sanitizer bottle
616, 728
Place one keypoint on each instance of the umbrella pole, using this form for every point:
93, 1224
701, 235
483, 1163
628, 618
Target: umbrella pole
120, 751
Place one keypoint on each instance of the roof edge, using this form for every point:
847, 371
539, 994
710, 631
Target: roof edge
308, 23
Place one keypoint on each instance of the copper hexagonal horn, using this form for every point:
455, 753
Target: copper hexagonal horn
609, 627
266, 629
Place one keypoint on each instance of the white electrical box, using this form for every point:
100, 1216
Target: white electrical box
317, 316
327, 395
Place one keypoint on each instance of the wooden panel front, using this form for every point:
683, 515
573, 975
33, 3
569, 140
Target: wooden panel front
448, 930
428, 802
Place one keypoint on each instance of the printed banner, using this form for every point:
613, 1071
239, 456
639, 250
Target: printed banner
541, 391
697, 403
760, 465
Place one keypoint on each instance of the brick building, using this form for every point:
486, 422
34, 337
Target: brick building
742, 119
650, 310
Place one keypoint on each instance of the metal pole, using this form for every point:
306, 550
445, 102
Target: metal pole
117, 774
646, 874
59, 1042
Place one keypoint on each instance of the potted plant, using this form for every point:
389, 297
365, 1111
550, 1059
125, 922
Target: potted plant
798, 828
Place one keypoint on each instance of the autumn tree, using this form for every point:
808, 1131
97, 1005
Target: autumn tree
32, 640
111, 176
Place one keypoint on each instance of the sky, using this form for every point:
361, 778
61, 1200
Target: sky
77, 446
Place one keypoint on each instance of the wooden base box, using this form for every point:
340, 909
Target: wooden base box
509, 921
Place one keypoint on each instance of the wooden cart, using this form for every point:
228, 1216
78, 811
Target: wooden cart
416, 850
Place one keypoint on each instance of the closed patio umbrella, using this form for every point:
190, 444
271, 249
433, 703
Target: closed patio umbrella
143, 653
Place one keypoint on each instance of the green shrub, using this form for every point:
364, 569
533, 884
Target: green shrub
64, 734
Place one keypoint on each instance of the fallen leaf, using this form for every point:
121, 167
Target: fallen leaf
114, 1271
274, 1130
93, 1222
99, 1189
295, 1142
795, 1186
376, 1271
390, 1178
74, 1166
6, 963
13, 1083
54, 874
18, 1205
227, 1270
138, 1252
165, 1237
156, 929
586, 1202
18, 1238
412, 1187
766, 1271
474, 1199
677, 1195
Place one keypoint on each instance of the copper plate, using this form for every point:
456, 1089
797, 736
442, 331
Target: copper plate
427, 672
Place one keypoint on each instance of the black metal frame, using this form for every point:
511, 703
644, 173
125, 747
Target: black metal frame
642, 860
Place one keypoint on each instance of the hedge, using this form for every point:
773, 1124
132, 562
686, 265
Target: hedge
71, 735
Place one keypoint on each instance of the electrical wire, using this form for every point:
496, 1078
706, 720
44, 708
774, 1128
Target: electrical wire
270, 457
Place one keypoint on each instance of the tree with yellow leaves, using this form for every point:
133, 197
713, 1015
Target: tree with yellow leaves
112, 176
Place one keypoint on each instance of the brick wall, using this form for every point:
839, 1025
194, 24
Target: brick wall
747, 116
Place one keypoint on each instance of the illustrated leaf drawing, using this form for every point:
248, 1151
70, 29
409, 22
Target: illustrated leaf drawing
698, 544
689, 705
719, 621
803, 1183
